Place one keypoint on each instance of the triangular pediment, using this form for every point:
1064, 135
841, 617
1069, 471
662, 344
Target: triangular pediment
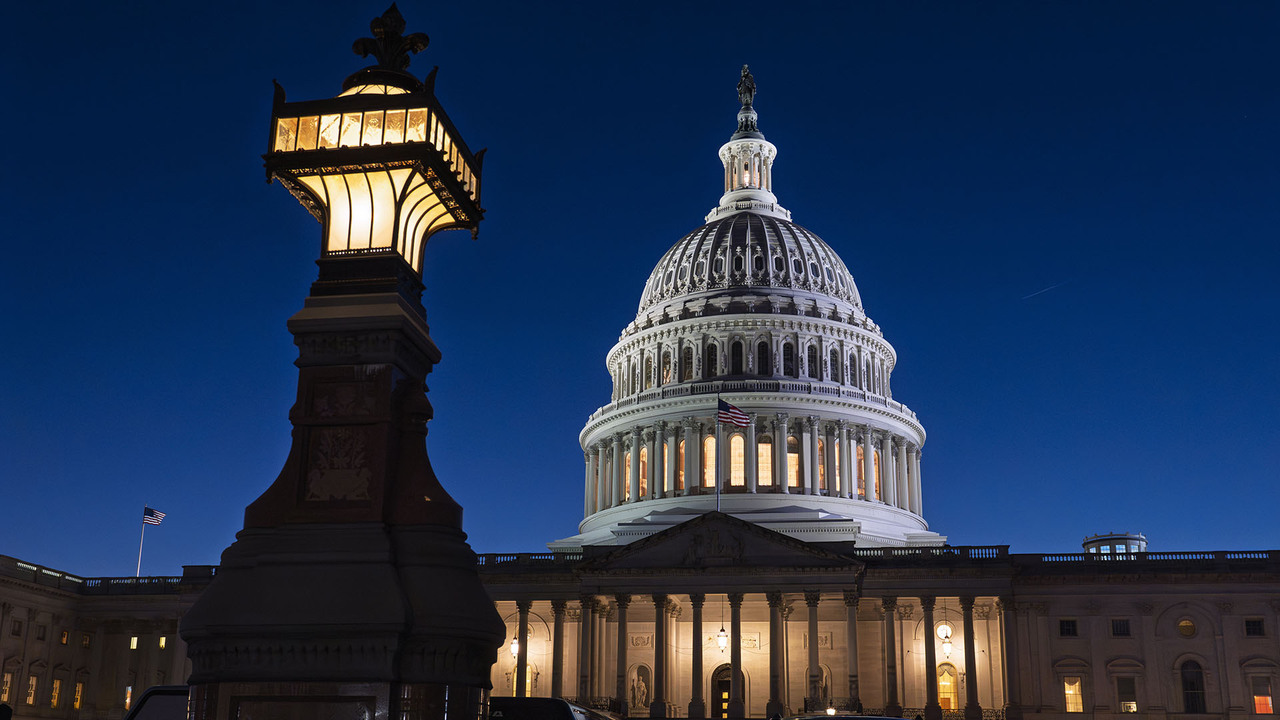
716, 540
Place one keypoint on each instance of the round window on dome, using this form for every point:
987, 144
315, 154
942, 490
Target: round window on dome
699, 268
739, 263
684, 272
797, 266
778, 264
759, 263
813, 269
831, 277
719, 266
670, 274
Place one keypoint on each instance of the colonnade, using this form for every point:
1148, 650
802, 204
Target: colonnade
772, 454
600, 681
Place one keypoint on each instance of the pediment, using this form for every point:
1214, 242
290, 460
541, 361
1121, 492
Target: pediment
716, 540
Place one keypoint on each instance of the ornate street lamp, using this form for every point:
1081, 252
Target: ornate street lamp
944, 634
351, 591
381, 166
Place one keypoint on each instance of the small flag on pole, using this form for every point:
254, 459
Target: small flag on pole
151, 516
732, 415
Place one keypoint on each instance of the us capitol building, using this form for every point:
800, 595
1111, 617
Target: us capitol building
810, 582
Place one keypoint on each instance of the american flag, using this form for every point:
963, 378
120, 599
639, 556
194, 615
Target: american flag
151, 516
732, 415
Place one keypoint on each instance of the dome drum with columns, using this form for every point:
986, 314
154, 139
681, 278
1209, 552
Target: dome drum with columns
759, 311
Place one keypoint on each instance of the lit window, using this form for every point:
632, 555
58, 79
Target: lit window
133, 643
644, 472
1253, 627
862, 480
709, 461
1186, 628
79, 695
128, 696
84, 640
1120, 627
822, 465
161, 642
54, 691
6, 684
1127, 694
32, 682
680, 466
1261, 687
1068, 628
737, 460
666, 368
948, 688
875, 467
1073, 700
62, 639
626, 476
764, 461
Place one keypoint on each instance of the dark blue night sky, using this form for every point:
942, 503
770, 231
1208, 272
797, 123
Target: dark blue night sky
1063, 215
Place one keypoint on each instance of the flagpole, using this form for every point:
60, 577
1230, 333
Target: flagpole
138, 573
719, 452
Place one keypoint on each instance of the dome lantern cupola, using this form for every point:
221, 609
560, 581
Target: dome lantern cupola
748, 163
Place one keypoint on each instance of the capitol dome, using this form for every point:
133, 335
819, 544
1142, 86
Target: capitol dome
756, 311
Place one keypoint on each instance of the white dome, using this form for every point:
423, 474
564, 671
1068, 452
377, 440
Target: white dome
757, 311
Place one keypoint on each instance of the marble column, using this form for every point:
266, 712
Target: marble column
888, 486
917, 487
589, 486
619, 490
557, 648
622, 600
892, 707
586, 619
813, 696
653, 466
737, 708
692, 446
851, 628
812, 470
846, 462
775, 705
522, 653
658, 708
634, 481
602, 478
697, 706
780, 453
1009, 660
868, 465
904, 481
932, 710
972, 710
672, 444
751, 453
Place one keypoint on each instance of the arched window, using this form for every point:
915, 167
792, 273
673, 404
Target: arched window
686, 365
648, 372
736, 359
1073, 694
812, 357
764, 461
822, 465
737, 460
709, 461
835, 367
644, 472
626, 476
711, 361
793, 462
948, 686
680, 466
853, 370
789, 360
1192, 688
763, 366
862, 478
666, 367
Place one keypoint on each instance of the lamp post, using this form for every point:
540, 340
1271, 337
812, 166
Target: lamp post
351, 591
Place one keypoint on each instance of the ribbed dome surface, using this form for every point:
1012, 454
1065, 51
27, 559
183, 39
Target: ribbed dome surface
751, 252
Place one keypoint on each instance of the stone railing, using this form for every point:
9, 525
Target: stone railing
492, 560
192, 578
764, 385
1193, 557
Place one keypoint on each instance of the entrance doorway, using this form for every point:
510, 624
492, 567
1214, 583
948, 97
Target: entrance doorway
721, 686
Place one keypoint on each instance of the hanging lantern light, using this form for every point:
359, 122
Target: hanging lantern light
722, 639
515, 646
944, 634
